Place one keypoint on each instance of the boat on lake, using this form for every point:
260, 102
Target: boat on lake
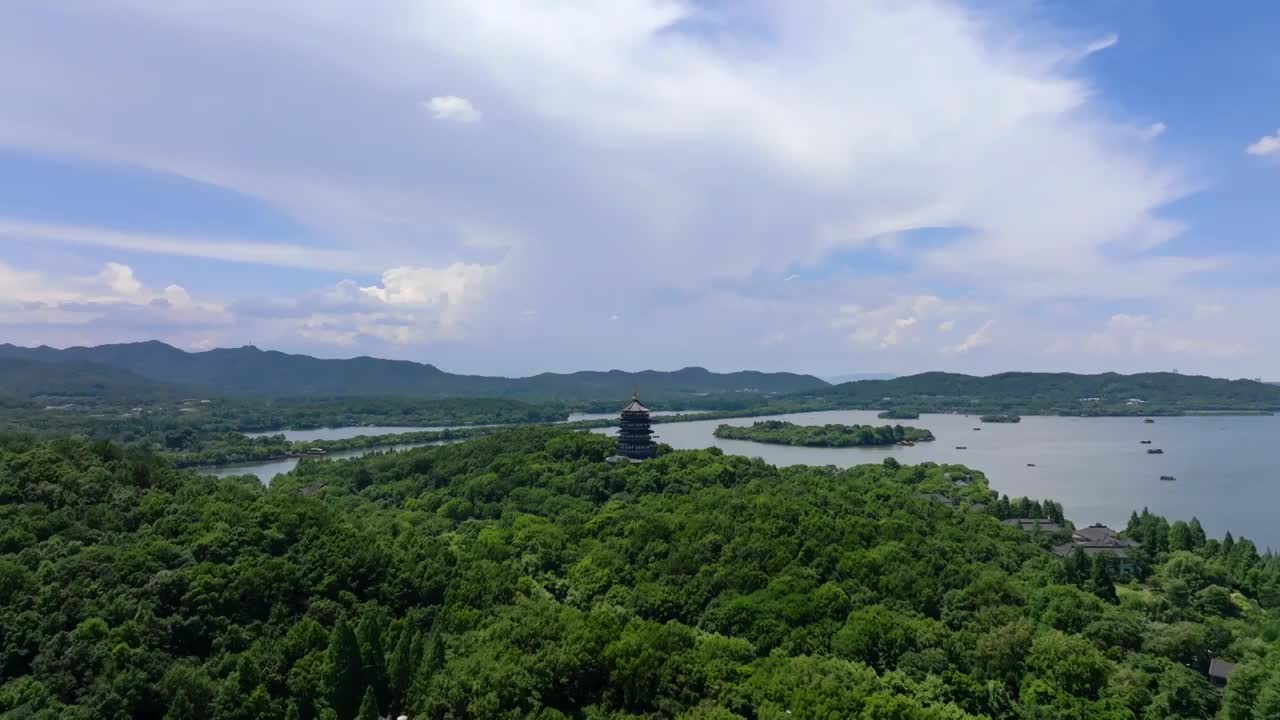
979, 429
1155, 451
1145, 442
1168, 478
962, 447
1148, 420
1031, 464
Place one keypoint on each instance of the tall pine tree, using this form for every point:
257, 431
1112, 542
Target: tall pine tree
369, 634
1100, 581
346, 671
1079, 568
403, 663
429, 663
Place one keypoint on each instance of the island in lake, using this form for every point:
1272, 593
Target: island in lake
898, 414
779, 432
1000, 419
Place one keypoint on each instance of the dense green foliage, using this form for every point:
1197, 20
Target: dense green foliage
779, 432
231, 448
519, 576
145, 424
898, 414
250, 371
1055, 393
74, 385
1000, 419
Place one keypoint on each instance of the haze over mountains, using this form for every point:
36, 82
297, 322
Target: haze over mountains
249, 370
153, 370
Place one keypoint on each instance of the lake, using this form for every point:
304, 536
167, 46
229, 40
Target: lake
1226, 467
266, 470
350, 431
1227, 472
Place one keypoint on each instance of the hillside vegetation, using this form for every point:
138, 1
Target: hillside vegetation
519, 576
30, 382
1054, 393
778, 432
248, 370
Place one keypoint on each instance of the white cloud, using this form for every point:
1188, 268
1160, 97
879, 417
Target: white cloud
113, 297
898, 323
1265, 145
1153, 131
1106, 41
979, 337
1140, 334
252, 252
622, 156
453, 108
428, 286
120, 279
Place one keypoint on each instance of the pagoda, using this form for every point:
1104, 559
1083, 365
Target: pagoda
635, 439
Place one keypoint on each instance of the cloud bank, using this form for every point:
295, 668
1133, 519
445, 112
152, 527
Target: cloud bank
642, 168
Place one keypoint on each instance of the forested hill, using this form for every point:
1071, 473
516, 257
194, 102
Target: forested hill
1049, 392
248, 370
69, 383
521, 577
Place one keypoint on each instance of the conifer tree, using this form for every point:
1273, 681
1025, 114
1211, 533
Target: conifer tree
369, 706
1079, 569
430, 661
1100, 581
1198, 538
374, 656
346, 671
403, 663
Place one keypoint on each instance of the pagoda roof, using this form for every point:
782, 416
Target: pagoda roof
635, 405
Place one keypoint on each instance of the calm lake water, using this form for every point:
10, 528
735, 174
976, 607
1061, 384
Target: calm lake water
342, 433
267, 470
1226, 468
350, 431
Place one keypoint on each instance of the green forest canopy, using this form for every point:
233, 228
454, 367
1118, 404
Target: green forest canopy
779, 432
519, 576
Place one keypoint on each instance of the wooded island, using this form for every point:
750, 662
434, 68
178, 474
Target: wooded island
779, 432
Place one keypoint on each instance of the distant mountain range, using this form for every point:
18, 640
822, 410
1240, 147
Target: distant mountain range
250, 371
1030, 392
856, 377
154, 370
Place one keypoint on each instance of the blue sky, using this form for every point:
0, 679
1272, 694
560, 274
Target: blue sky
494, 187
